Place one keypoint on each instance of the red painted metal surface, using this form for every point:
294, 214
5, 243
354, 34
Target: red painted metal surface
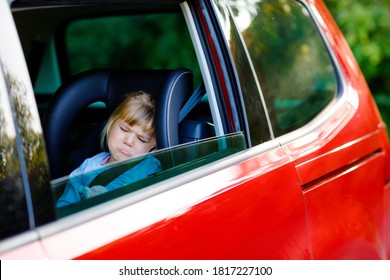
385, 234
345, 212
258, 215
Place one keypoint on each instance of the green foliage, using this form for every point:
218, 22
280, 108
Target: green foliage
133, 42
366, 27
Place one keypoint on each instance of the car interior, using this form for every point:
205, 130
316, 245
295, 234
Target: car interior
171, 89
74, 102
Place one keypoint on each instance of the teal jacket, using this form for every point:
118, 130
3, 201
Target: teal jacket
78, 188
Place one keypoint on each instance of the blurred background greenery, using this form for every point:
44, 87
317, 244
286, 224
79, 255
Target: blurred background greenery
366, 27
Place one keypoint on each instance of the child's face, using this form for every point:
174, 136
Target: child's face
125, 141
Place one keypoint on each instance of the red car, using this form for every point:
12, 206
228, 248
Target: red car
270, 142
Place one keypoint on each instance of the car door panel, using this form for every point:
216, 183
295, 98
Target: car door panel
345, 212
343, 197
337, 158
252, 209
386, 237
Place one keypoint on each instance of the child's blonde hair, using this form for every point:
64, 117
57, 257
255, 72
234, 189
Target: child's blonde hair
137, 108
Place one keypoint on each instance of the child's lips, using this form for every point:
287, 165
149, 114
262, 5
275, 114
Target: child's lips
125, 152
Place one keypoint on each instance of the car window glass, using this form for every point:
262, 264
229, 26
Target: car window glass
174, 162
108, 39
290, 59
130, 42
30, 142
13, 207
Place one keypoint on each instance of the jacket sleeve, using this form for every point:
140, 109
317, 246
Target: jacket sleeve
78, 180
71, 193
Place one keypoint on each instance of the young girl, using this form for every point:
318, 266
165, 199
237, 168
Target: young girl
129, 132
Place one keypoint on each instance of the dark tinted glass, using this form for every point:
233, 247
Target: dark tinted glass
290, 59
13, 208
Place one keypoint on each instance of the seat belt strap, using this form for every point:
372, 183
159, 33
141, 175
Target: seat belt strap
192, 101
107, 176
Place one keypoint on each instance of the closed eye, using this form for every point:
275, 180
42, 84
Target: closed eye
143, 140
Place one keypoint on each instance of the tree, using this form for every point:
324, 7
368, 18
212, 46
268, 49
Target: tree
366, 27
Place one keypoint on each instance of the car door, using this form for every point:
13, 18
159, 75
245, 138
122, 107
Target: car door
316, 99
238, 207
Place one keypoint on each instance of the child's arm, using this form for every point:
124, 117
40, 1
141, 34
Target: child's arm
142, 170
79, 179
72, 191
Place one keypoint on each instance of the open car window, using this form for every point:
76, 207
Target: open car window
174, 162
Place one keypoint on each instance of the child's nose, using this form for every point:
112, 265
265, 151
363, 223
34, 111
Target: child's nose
129, 139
